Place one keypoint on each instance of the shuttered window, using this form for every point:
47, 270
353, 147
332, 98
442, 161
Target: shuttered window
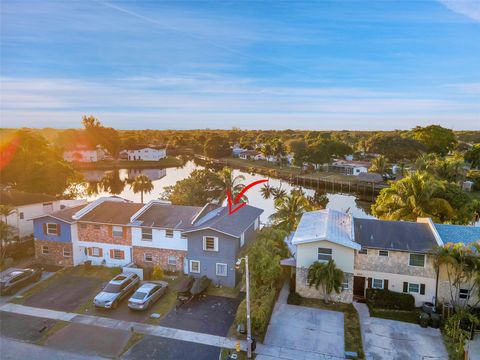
377, 283
210, 243
53, 229
117, 254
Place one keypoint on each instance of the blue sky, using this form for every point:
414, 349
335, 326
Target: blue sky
268, 65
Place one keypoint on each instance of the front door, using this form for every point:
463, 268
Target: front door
359, 286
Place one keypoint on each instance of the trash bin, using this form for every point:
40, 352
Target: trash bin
428, 307
424, 319
436, 319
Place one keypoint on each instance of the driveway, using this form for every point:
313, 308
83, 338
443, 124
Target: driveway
153, 347
209, 314
396, 340
67, 293
24, 328
6, 299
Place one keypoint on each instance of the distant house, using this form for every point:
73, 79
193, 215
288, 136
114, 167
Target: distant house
251, 155
146, 153
370, 177
29, 205
84, 153
350, 167
237, 150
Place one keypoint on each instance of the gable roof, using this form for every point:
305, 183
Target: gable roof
328, 224
458, 233
220, 220
394, 235
64, 214
165, 215
111, 212
18, 198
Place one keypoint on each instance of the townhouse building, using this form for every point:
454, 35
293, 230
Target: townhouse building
146, 153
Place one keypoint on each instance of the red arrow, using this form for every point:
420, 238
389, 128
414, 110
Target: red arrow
231, 204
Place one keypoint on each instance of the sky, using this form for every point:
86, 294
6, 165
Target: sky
324, 65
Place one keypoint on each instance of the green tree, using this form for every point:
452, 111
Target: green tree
378, 165
142, 184
327, 276
435, 138
112, 183
6, 210
217, 147
289, 209
473, 156
394, 146
231, 183
266, 191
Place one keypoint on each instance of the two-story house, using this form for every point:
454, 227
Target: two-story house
214, 240
146, 153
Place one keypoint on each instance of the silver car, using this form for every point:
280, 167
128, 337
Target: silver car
147, 295
117, 289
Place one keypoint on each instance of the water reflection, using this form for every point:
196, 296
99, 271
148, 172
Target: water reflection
104, 183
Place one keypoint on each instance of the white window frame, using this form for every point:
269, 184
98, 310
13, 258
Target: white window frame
215, 243
411, 291
410, 260
96, 251
191, 266
377, 287
465, 295
68, 253
330, 255
169, 233
45, 247
145, 257
169, 257
150, 234
383, 253
221, 274
116, 232
48, 229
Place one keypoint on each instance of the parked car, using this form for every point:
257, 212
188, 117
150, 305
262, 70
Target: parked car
146, 295
15, 279
118, 288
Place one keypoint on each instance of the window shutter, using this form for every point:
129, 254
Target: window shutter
89, 250
100, 252
111, 254
405, 286
122, 255
385, 284
44, 229
110, 230
422, 289
59, 232
369, 283
124, 232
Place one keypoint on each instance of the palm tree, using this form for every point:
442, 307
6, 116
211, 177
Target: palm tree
142, 184
266, 191
230, 183
378, 165
288, 211
112, 183
318, 201
6, 210
412, 197
326, 275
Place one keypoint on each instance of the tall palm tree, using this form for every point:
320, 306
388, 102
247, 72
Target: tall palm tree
288, 211
142, 184
326, 275
412, 197
266, 191
231, 183
6, 210
112, 183
378, 165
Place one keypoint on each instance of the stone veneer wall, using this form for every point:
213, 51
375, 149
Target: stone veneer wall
160, 257
345, 296
102, 235
55, 253
444, 295
397, 262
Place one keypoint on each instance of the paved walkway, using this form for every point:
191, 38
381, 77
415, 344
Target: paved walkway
397, 340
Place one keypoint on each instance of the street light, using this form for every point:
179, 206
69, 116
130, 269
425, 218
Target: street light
247, 283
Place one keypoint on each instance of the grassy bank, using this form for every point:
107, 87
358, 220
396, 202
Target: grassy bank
169, 161
398, 315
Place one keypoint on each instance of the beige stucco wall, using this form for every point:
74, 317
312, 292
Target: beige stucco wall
343, 256
445, 294
304, 290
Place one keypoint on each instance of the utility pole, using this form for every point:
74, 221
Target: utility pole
249, 326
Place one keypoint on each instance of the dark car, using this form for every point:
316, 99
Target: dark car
118, 288
15, 279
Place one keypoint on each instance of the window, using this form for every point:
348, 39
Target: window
96, 226
210, 243
146, 234
118, 254
221, 269
345, 283
413, 288
96, 251
377, 283
66, 252
363, 251
194, 266
148, 257
22, 216
417, 260
324, 254
52, 229
464, 294
83, 226
117, 231
45, 250
169, 233
382, 252
172, 260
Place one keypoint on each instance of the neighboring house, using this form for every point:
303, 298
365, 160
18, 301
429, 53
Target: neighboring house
146, 153
215, 239
84, 154
157, 237
29, 205
251, 155
350, 167
393, 255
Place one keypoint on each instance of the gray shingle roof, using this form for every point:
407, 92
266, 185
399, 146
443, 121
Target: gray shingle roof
167, 216
18, 198
112, 212
394, 235
64, 214
220, 220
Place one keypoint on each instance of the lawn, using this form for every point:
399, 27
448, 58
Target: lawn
224, 291
353, 335
169, 161
405, 316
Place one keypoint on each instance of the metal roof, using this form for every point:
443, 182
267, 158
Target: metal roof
458, 233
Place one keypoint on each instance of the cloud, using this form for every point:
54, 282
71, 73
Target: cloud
468, 8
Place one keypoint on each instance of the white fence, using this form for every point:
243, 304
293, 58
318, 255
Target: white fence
132, 268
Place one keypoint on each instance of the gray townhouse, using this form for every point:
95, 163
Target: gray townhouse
215, 240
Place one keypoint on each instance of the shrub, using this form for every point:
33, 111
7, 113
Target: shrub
260, 312
294, 298
157, 273
386, 299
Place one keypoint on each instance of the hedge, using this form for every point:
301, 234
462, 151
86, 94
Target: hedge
386, 299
